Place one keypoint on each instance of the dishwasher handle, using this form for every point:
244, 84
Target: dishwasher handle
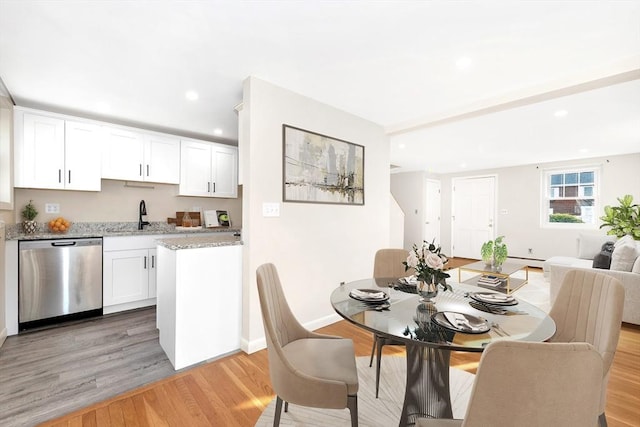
72, 243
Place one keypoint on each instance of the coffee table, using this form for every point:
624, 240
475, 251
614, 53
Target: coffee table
507, 284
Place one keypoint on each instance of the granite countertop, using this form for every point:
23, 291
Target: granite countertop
111, 229
198, 242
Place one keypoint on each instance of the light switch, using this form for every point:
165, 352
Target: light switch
271, 209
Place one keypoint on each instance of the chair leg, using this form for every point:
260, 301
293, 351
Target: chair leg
276, 417
352, 404
373, 349
602, 420
379, 344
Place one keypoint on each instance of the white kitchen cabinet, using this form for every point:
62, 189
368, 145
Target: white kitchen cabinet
54, 153
138, 156
208, 169
129, 272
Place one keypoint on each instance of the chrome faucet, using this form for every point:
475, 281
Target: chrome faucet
143, 211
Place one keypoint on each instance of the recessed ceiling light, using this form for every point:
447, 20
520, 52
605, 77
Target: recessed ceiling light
463, 63
191, 95
463, 165
402, 146
561, 113
584, 150
217, 131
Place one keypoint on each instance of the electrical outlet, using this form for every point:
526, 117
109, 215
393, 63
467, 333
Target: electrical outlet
52, 208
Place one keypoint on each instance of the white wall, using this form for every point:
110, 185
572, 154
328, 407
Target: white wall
519, 194
409, 190
314, 246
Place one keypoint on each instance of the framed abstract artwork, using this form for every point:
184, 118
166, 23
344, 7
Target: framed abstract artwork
321, 169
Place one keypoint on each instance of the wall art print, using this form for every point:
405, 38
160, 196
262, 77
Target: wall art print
321, 169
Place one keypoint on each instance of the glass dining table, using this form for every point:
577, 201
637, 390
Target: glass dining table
431, 330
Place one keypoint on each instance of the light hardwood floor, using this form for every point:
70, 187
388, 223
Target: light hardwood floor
233, 391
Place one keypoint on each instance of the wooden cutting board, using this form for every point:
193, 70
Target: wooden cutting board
195, 219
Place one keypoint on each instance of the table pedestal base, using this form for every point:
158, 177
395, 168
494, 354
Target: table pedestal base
427, 393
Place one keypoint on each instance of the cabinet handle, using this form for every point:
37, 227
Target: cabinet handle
59, 175
69, 177
145, 262
214, 187
147, 170
153, 261
140, 169
208, 187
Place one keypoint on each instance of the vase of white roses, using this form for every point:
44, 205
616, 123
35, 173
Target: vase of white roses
428, 261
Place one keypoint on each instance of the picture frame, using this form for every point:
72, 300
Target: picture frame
318, 168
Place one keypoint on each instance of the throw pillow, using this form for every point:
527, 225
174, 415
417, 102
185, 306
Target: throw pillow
636, 266
589, 244
603, 259
624, 254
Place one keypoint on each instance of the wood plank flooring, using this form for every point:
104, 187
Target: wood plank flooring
50, 372
233, 391
60, 371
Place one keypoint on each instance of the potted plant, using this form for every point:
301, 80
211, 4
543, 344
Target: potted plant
494, 252
623, 219
486, 252
29, 214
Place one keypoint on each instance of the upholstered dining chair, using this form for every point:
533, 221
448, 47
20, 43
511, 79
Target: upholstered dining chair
306, 368
588, 308
387, 263
533, 384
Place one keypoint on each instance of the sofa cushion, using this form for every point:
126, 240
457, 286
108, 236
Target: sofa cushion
636, 266
624, 254
603, 259
589, 244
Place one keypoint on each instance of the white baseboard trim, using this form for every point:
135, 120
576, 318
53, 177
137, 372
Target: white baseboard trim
3, 336
260, 343
128, 306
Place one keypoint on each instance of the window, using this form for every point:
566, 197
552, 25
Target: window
570, 196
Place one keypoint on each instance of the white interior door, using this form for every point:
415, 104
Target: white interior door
431, 229
473, 215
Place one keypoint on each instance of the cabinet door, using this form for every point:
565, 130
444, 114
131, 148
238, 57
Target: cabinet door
195, 168
122, 154
39, 157
82, 156
225, 171
126, 276
152, 266
162, 159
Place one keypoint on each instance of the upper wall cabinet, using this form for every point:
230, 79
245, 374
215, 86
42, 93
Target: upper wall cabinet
54, 153
208, 169
138, 156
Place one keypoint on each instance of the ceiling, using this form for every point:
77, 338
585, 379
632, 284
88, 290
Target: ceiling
400, 64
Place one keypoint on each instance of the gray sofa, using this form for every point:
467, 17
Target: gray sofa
589, 246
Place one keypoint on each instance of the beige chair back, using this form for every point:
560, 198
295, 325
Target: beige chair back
589, 309
388, 263
536, 384
287, 339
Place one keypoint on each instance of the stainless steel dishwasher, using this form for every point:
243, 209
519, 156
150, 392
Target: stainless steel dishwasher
58, 280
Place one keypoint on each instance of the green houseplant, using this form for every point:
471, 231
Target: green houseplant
623, 219
494, 252
29, 214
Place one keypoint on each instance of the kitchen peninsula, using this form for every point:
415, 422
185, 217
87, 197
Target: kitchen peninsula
199, 285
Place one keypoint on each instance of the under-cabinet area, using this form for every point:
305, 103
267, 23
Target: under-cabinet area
61, 152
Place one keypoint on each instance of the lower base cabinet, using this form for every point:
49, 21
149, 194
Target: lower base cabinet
129, 273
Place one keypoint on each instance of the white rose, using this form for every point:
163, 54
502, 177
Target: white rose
434, 261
